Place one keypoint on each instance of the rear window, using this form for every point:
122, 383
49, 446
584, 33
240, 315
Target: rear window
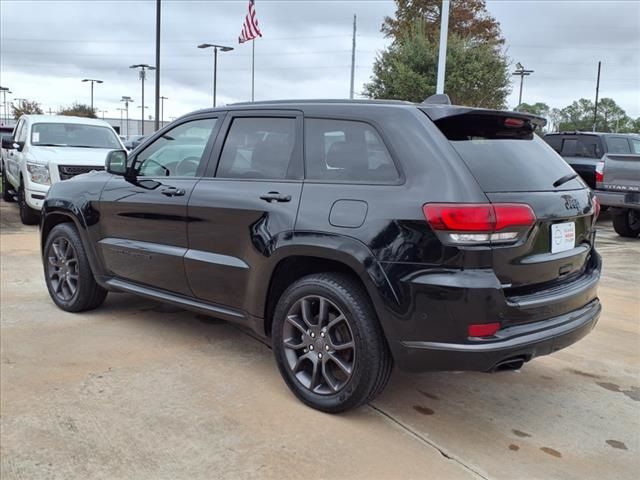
618, 145
504, 155
587, 146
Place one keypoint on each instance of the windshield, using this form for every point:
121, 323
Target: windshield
73, 135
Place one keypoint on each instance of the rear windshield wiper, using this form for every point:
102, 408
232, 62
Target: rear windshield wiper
565, 179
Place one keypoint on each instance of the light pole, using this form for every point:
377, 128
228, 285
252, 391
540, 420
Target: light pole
121, 110
103, 112
126, 101
92, 80
162, 99
142, 116
521, 72
143, 75
215, 63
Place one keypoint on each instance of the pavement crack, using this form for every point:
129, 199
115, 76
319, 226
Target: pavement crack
428, 442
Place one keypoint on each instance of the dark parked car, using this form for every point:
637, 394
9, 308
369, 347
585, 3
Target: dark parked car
583, 150
353, 235
618, 187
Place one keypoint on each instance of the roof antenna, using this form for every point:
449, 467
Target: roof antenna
438, 99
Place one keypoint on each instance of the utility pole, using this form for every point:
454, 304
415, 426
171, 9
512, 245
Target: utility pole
141, 129
521, 72
158, 8
442, 52
595, 110
4, 91
126, 101
353, 58
143, 75
162, 110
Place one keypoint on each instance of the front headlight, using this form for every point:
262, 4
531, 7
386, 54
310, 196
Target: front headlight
39, 173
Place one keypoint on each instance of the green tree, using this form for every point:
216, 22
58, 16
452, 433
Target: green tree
467, 19
25, 107
78, 110
477, 73
611, 117
539, 109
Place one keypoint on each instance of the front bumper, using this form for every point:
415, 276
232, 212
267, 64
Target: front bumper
522, 342
35, 194
619, 199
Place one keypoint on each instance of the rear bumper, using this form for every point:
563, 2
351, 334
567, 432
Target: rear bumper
618, 199
522, 342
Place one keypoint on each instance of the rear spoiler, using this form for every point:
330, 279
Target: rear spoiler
438, 111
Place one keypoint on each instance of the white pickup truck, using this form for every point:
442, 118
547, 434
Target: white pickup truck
45, 149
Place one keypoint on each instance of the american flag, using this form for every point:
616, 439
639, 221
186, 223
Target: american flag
250, 28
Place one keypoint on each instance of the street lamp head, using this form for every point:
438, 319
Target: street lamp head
223, 48
519, 66
143, 65
91, 80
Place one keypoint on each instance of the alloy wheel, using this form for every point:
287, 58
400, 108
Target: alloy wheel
319, 345
62, 269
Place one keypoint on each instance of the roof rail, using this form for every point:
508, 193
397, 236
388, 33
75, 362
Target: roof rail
438, 99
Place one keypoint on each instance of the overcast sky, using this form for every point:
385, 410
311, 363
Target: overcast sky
48, 46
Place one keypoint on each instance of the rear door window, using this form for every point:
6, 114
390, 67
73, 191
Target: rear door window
618, 145
505, 158
635, 145
259, 148
346, 151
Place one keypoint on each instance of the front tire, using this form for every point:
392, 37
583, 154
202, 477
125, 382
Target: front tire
28, 215
7, 194
627, 223
68, 275
328, 344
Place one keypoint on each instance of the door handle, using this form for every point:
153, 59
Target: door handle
173, 192
275, 197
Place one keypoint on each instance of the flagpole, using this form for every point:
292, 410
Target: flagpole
253, 69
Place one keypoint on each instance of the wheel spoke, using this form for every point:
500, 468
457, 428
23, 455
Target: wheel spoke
71, 288
346, 369
293, 320
335, 321
300, 362
305, 308
290, 343
56, 249
315, 375
53, 261
67, 250
323, 314
344, 346
327, 378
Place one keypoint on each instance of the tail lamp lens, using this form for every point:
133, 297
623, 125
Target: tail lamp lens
475, 223
600, 172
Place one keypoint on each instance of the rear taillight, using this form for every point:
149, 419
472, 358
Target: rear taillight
477, 223
600, 172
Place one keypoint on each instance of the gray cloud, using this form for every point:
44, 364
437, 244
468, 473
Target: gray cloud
48, 46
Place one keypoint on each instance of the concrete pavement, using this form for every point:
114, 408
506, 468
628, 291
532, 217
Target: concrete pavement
141, 390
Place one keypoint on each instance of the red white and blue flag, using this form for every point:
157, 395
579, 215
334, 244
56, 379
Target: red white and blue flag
250, 29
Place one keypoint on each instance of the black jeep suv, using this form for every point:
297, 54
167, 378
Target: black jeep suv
353, 234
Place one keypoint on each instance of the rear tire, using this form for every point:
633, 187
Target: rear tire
627, 223
7, 189
334, 357
28, 215
67, 272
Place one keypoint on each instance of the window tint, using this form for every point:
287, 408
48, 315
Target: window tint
178, 152
635, 144
259, 148
618, 145
587, 146
341, 150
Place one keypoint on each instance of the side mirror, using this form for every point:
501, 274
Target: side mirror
8, 143
116, 162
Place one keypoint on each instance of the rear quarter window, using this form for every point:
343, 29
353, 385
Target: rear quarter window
346, 151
